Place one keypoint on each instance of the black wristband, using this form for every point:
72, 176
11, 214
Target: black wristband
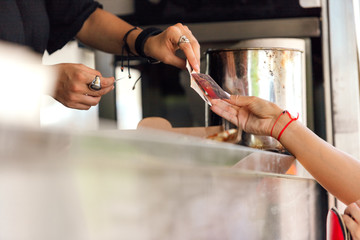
141, 39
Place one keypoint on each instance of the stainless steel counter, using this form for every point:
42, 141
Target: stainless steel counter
147, 185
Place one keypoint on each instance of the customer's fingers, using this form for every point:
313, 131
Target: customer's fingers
352, 226
353, 210
225, 110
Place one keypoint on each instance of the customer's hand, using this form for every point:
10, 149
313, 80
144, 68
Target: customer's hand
72, 88
163, 47
352, 219
254, 115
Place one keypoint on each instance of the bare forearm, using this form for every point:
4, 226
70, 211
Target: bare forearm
335, 170
105, 31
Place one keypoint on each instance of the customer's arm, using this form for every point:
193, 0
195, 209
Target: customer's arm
335, 170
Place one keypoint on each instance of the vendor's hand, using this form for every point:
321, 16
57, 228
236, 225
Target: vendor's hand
352, 219
72, 88
163, 47
254, 115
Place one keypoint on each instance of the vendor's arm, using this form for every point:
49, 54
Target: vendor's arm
335, 170
105, 31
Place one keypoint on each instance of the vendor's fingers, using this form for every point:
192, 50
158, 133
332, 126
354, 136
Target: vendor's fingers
107, 84
352, 226
187, 48
82, 102
190, 48
175, 61
107, 81
99, 93
182, 38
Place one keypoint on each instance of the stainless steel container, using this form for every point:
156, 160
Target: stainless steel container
274, 74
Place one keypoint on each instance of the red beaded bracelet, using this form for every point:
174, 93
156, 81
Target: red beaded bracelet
282, 131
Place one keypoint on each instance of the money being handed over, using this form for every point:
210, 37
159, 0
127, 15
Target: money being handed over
205, 86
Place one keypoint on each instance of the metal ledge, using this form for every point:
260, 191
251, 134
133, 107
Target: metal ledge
237, 30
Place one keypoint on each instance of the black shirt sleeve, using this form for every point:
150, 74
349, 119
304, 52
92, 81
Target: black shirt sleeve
66, 19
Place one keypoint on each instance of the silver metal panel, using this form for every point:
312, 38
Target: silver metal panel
344, 76
327, 72
141, 185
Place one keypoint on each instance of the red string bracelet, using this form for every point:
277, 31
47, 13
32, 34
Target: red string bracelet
276, 122
291, 120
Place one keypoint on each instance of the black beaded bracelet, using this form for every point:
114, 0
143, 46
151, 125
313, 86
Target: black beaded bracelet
141, 39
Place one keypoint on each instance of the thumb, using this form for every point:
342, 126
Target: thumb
107, 81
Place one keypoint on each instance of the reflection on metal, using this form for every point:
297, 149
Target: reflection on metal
274, 74
357, 26
128, 98
344, 76
341, 78
327, 71
147, 185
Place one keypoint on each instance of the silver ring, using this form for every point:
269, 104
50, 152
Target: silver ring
95, 84
183, 39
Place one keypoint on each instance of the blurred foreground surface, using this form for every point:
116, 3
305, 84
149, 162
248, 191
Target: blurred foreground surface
147, 185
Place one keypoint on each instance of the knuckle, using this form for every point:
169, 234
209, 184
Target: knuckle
80, 65
95, 102
166, 59
179, 25
79, 75
71, 99
351, 206
75, 88
98, 73
173, 29
252, 98
69, 104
